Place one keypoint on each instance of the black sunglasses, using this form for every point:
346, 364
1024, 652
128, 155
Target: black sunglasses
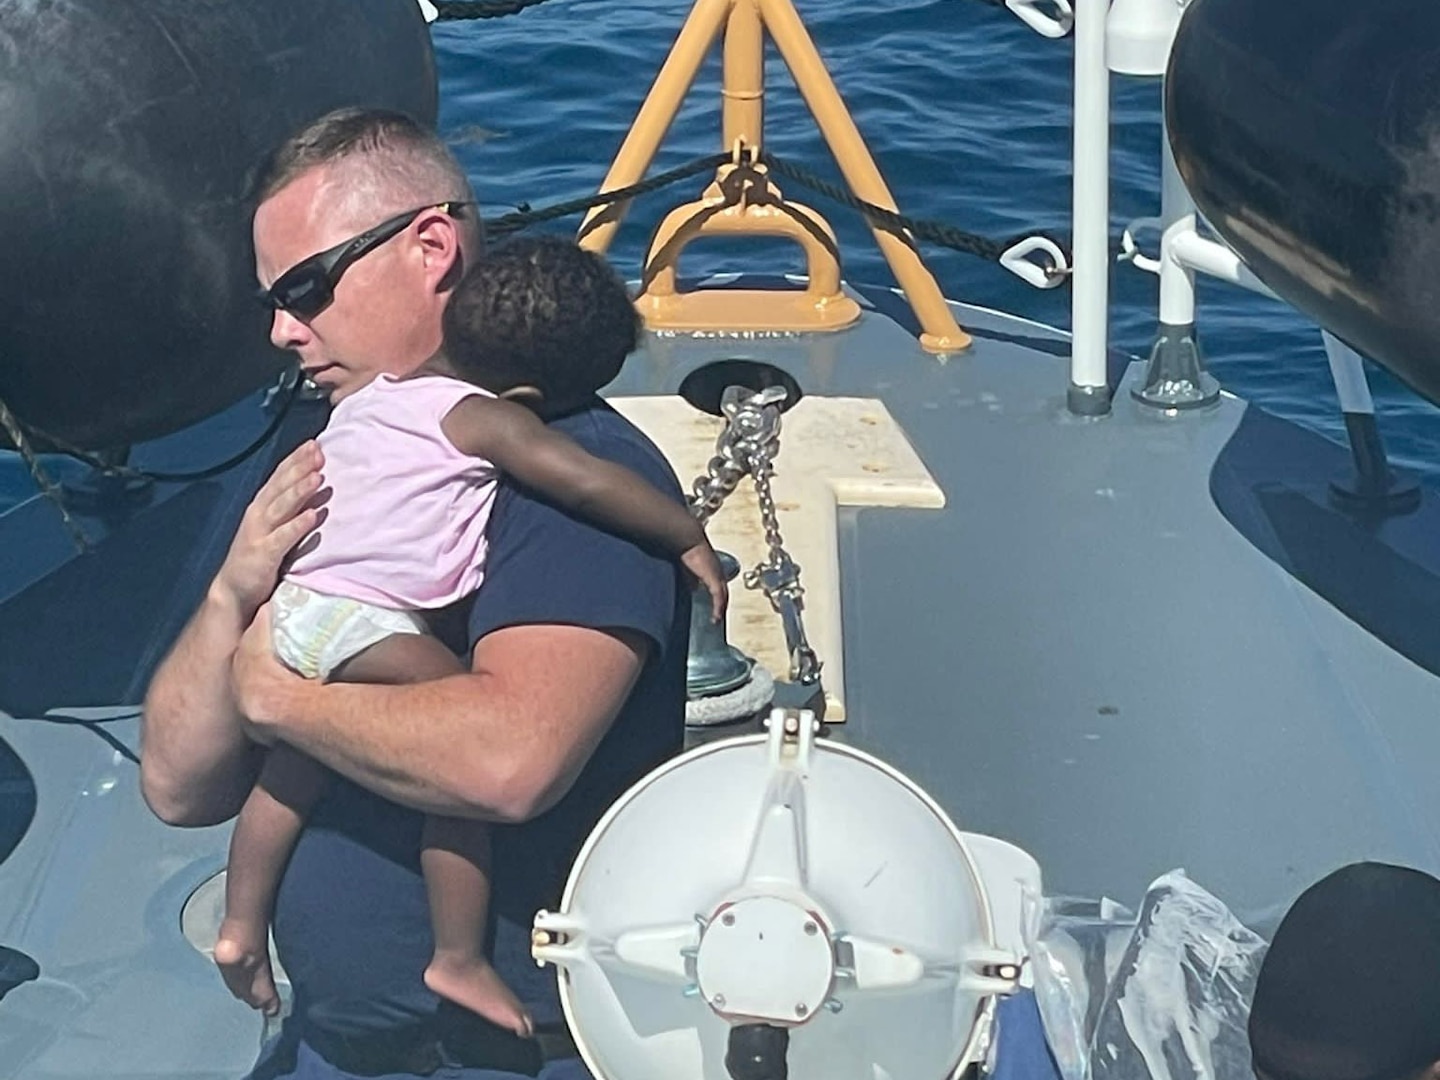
307, 288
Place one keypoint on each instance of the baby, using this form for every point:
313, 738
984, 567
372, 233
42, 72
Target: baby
411, 466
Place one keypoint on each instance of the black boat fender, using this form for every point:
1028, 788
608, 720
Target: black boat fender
127, 133
1309, 136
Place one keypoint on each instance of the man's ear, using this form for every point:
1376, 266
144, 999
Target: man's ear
439, 237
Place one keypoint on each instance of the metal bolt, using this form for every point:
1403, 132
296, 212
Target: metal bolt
728, 919
718, 1001
1008, 972
811, 928
834, 1004
802, 1009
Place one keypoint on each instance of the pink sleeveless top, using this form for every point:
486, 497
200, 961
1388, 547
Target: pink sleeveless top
405, 525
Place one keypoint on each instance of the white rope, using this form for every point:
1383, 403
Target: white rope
737, 704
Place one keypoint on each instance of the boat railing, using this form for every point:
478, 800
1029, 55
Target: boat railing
1112, 37
1133, 38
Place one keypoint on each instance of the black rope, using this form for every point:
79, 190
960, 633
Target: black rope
934, 231
525, 217
95, 727
937, 232
467, 10
127, 472
453, 10
48, 488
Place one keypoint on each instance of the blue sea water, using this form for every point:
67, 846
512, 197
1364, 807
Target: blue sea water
967, 112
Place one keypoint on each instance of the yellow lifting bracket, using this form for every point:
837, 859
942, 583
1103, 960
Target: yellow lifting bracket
744, 199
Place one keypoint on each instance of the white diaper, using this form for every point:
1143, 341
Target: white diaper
314, 633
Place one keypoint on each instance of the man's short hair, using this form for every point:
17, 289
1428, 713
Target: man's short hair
393, 153
542, 312
1350, 987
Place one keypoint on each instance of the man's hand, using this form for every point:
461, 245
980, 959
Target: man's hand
263, 687
283, 512
199, 761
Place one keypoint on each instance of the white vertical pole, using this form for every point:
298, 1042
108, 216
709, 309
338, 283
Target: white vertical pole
1348, 371
1177, 215
1374, 488
1088, 394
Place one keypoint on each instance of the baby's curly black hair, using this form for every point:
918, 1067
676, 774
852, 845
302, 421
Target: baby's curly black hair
541, 312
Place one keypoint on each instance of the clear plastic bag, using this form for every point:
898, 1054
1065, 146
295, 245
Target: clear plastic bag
1164, 995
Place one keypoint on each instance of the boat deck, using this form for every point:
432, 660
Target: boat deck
1126, 645
1082, 654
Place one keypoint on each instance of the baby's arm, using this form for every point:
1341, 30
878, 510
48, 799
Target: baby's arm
520, 444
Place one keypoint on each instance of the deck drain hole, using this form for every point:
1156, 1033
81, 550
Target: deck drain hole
703, 386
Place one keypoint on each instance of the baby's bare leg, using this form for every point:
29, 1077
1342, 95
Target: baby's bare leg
399, 659
456, 862
273, 816
265, 834
455, 857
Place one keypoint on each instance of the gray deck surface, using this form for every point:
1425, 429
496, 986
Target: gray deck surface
1080, 654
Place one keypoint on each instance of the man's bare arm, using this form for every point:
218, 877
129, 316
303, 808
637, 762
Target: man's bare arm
501, 743
197, 763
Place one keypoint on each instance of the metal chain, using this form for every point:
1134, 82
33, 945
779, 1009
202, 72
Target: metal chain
51, 490
748, 445
751, 420
779, 575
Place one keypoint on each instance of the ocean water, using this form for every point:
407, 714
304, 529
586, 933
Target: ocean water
967, 113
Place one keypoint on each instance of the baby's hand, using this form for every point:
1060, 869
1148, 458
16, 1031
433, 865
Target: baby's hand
702, 561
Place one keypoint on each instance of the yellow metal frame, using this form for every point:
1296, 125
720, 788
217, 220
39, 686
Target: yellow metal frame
744, 200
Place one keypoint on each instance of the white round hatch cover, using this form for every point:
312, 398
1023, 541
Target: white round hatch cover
783, 884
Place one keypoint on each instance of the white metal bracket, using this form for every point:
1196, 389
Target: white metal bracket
1033, 14
1016, 259
1130, 250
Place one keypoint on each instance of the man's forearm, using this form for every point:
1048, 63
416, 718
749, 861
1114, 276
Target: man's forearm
440, 747
197, 765
500, 743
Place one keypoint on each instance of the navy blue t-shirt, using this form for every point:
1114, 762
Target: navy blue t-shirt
351, 920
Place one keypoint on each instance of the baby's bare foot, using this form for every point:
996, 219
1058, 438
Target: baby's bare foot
473, 983
243, 958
